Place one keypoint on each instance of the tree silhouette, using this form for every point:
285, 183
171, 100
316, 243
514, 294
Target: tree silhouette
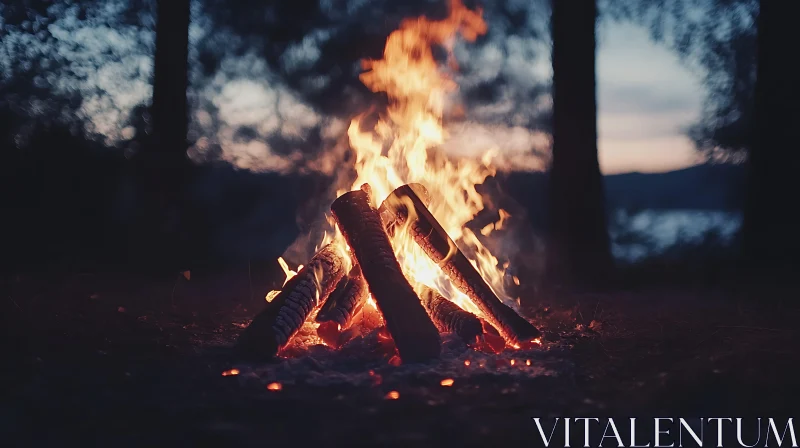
163, 168
579, 248
771, 236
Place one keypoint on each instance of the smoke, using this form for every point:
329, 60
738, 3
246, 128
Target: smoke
513, 147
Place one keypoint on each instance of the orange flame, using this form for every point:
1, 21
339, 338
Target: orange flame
403, 147
230, 372
289, 272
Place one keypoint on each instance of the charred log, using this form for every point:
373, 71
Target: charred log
404, 202
450, 318
346, 301
415, 336
272, 329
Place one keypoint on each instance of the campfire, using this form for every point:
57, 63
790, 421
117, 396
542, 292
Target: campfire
395, 260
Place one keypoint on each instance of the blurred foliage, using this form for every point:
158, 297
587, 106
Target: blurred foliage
70, 60
75, 87
66, 62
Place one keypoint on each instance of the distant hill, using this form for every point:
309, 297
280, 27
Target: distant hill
701, 187
706, 187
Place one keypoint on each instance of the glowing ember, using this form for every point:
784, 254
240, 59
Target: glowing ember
393, 395
447, 382
466, 362
513, 362
230, 372
274, 386
528, 362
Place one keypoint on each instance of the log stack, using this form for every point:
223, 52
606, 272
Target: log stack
413, 321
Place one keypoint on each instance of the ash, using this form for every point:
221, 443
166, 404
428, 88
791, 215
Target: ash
364, 362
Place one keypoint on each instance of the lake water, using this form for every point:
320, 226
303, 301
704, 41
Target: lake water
651, 232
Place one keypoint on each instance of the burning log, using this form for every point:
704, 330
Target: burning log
434, 241
272, 329
450, 318
388, 214
346, 301
415, 336
340, 312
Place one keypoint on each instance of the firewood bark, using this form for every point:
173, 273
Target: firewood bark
346, 300
450, 318
388, 214
434, 241
415, 336
272, 329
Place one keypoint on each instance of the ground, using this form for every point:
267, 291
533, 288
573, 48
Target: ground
131, 360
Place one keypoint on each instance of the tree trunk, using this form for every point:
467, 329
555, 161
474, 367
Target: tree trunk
578, 246
170, 81
771, 234
163, 168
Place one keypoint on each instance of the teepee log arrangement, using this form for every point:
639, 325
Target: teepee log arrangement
412, 318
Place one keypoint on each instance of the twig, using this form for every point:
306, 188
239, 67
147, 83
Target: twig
174, 285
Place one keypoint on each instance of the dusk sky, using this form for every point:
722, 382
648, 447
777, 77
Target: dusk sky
646, 98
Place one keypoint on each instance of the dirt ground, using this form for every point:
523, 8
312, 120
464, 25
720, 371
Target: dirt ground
127, 360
